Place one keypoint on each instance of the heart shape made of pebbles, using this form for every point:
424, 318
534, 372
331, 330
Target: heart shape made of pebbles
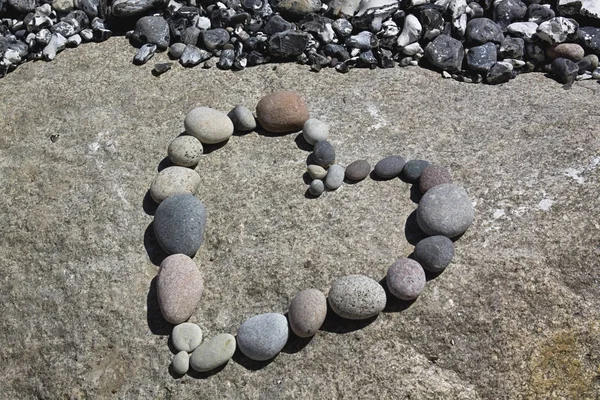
444, 213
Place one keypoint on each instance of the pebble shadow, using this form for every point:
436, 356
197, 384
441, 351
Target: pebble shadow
209, 148
155, 252
394, 304
336, 324
156, 322
148, 204
295, 343
248, 363
302, 144
412, 231
207, 374
377, 178
263, 132
415, 194
164, 163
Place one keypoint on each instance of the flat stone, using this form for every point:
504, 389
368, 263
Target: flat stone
344, 8
174, 180
193, 56
242, 118
356, 297
412, 170
411, 31
214, 39
434, 175
176, 50
316, 171
406, 279
335, 177
208, 125
179, 288
314, 130
181, 363
263, 336
144, 54
445, 210
185, 151
501, 72
179, 224
434, 253
307, 312
281, 112
323, 153
525, 30
297, 9
287, 44
390, 167
186, 337
213, 353
358, 170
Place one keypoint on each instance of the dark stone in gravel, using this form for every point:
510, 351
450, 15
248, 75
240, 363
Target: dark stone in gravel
64, 28
432, 22
161, 68
483, 30
445, 53
364, 40
214, 39
336, 50
412, 170
512, 48
323, 153
342, 28
386, 58
501, 72
482, 58
297, 9
565, 70
226, 59
538, 13
130, 8
193, 56
318, 26
288, 44
153, 30
277, 24
23, 6
434, 253
191, 35
434, 175
358, 170
78, 19
179, 224
389, 167
507, 11
589, 38
144, 53
89, 7
367, 59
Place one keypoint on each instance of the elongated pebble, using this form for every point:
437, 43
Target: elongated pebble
335, 177
307, 312
181, 363
358, 170
179, 288
406, 279
174, 180
213, 353
316, 171
179, 224
208, 125
356, 297
390, 167
263, 336
186, 337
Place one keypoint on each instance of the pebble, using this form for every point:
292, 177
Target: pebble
335, 177
181, 363
323, 153
307, 312
589, 38
406, 279
179, 224
213, 353
483, 30
565, 70
316, 187
288, 44
512, 48
434, 253
411, 32
130, 8
482, 58
557, 30
208, 125
501, 72
179, 288
434, 175
316, 171
314, 131
507, 11
281, 112
56, 44
176, 50
263, 336
356, 297
174, 180
144, 54
358, 170
413, 169
153, 30
186, 337
572, 51
215, 39
390, 167
525, 30
296, 9
445, 210
445, 53
185, 151
242, 118
539, 13
63, 5
193, 56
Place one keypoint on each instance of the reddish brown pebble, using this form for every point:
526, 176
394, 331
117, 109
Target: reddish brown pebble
571, 51
307, 312
406, 279
358, 170
432, 176
179, 288
281, 112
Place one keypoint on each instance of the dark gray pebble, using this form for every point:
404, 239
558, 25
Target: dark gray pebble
323, 153
565, 70
390, 167
434, 253
358, 170
434, 175
412, 170
153, 30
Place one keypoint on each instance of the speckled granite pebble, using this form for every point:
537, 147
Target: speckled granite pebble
324, 153
358, 170
406, 279
213, 353
281, 112
434, 253
242, 118
390, 167
314, 131
335, 177
263, 336
174, 180
179, 288
316, 187
356, 297
316, 171
434, 175
179, 224
186, 337
307, 312
181, 363
208, 125
445, 210
412, 170
185, 151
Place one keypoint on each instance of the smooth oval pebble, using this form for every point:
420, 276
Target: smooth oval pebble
405, 279
445, 210
281, 112
181, 363
413, 169
316, 171
323, 154
316, 187
185, 151
242, 118
174, 180
314, 131
307, 312
358, 170
179, 224
390, 167
432, 176
434, 253
263, 336
356, 297
572, 51
208, 125
335, 177
186, 337
179, 288
213, 353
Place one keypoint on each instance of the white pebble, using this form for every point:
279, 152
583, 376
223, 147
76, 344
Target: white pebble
314, 131
186, 337
181, 362
185, 151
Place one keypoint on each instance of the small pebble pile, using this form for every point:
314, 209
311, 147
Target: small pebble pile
488, 41
444, 212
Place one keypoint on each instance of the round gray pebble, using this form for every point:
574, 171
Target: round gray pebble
324, 153
179, 224
406, 279
213, 353
434, 253
358, 170
356, 297
316, 171
434, 175
242, 118
445, 210
390, 167
181, 363
314, 131
185, 151
186, 337
174, 180
316, 188
335, 177
263, 336
307, 312
412, 170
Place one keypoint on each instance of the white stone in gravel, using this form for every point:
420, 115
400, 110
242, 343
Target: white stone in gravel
74, 40
556, 30
208, 125
263, 336
213, 353
524, 30
315, 130
186, 337
316, 171
335, 177
413, 49
411, 32
57, 44
356, 297
181, 363
174, 180
242, 118
185, 151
